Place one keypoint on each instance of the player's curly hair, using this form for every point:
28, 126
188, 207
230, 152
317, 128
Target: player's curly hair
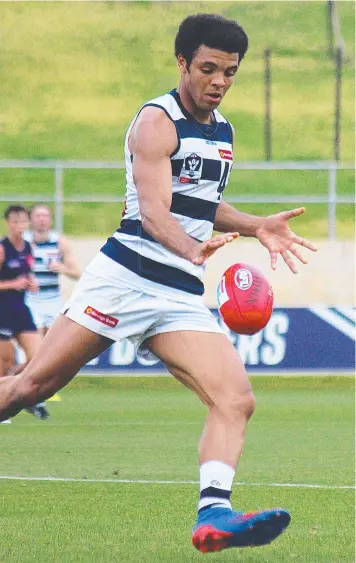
211, 30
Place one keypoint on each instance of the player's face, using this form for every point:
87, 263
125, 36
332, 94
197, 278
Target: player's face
41, 219
210, 75
17, 223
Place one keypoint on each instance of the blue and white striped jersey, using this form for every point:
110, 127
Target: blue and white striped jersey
43, 253
201, 165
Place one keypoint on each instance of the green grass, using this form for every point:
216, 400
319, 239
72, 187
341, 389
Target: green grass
148, 429
74, 74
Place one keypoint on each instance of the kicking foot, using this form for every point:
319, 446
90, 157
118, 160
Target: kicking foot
221, 528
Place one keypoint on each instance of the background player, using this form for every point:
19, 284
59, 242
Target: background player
16, 278
52, 256
146, 284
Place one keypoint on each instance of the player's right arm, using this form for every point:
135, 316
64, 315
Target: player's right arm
18, 284
152, 140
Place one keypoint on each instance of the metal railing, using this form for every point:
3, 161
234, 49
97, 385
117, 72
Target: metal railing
58, 197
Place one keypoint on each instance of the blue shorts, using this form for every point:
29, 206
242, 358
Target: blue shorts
13, 322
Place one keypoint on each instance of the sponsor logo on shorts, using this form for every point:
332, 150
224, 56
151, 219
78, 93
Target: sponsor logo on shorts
101, 317
225, 154
243, 279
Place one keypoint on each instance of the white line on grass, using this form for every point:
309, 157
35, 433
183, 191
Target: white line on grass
157, 482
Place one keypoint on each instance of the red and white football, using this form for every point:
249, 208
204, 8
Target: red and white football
245, 299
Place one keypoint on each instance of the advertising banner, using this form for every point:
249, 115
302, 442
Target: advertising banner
295, 340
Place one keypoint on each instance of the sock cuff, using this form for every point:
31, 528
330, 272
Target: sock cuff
216, 474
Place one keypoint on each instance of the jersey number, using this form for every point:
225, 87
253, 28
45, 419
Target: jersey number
223, 179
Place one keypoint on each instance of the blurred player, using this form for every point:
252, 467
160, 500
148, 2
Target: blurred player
52, 257
16, 279
146, 283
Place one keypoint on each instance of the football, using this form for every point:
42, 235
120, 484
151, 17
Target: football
245, 299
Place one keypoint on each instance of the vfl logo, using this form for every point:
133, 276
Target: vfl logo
101, 317
225, 154
192, 167
243, 279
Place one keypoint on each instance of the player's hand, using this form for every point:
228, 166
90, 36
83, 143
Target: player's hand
20, 283
33, 285
209, 247
278, 238
55, 266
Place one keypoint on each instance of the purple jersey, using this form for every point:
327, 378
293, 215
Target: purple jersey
16, 263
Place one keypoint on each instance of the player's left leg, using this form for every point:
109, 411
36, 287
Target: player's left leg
67, 347
209, 365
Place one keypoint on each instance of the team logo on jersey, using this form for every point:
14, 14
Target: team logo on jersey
101, 317
192, 168
225, 154
14, 263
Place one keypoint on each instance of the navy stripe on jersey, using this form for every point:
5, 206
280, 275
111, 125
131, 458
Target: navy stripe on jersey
46, 243
221, 131
194, 207
46, 274
150, 269
211, 169
134, 227
51, 287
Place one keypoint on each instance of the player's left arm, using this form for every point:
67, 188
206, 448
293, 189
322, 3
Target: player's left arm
227, 215
273, 232
68, 266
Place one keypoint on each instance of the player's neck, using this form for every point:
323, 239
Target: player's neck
17, 241
205, 117
40, 236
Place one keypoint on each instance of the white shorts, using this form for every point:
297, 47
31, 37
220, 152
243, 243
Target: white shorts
44, 311
118, 312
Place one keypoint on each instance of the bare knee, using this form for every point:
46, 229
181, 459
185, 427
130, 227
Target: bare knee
239, 404
235, 403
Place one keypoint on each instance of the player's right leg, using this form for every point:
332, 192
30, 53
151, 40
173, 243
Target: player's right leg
208, 364
66, 348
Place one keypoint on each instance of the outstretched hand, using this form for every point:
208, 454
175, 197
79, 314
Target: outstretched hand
278, 238
209, 247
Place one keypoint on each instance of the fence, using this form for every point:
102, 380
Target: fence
58, 167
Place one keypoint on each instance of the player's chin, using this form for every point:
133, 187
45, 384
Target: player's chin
210, 103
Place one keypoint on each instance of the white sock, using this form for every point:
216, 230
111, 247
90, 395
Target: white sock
215, 484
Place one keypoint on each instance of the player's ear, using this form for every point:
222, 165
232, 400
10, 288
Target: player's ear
182, 64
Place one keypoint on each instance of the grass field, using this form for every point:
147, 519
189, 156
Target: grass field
74, 74
146, 429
